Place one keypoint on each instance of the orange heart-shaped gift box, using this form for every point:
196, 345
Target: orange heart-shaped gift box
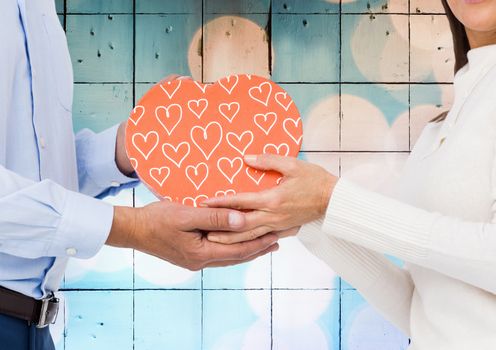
186, 140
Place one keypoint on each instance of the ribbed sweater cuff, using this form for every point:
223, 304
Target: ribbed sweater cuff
378, 222
356, 265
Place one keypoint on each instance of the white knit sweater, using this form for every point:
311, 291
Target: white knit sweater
440, 219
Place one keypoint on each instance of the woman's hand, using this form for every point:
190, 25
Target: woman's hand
302, 196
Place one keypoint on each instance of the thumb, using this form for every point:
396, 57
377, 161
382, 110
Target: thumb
207, 219
284, 165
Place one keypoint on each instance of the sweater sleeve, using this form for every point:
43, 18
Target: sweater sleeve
384, 285
461, 249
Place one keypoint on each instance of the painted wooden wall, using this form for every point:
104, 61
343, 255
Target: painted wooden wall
366, 75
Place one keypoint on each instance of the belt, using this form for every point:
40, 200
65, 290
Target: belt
38, 312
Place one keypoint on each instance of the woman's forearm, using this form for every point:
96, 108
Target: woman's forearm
384, 285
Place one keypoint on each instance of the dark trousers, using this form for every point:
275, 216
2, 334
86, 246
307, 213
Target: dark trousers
16, 334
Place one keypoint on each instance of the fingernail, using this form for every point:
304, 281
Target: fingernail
235, 219
250, 158
213, 238
184, 77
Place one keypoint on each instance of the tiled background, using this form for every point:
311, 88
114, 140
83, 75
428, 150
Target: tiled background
366, 75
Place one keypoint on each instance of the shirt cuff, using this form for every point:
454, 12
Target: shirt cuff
84, 228
100, 162
378, 222
352, 262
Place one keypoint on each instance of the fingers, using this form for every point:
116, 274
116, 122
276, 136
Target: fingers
238, 201
288, 233
284, 165
238, 251
213, 219
235, 237
271, 249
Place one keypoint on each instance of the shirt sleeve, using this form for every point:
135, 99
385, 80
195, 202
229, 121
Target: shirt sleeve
464, 250
98, 172
384, 285
43, 219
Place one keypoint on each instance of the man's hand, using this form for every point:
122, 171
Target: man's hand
174, 232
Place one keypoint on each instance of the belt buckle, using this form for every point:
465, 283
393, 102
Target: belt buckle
49, 311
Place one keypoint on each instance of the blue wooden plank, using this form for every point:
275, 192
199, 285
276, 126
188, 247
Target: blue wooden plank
153, 273
62, 20
236, 319
237, 7
305, 319
374, 117
162, 45
254, 274
363, 328
167, 320
101, 47
109, 268
99, 320
374, 48
319, 108
100, 106
99, 6
169, 6
59, 6
306, 48
235, 44
376, 6
305, 7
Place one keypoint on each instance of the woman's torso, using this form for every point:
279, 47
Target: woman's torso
454, 177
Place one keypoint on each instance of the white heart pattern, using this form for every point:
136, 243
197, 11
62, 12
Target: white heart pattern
170, 88
261, 93
160, 175
135, 120
242, 141
281, 150
199, 175
228, 168
196, 109
168, 149
265, 121
213, 131
147, 147
169, 116
229, 110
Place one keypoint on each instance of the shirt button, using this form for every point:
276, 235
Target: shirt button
71, 251
441, 141
115, 184
42, 142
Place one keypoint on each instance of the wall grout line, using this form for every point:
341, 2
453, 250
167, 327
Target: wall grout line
409, 80
134, 192
202, 296
64, 333
270, 66
406, 83
72, 290
340, 91
258, 13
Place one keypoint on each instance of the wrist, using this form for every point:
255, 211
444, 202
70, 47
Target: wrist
121, 159
329, 184
124, 228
